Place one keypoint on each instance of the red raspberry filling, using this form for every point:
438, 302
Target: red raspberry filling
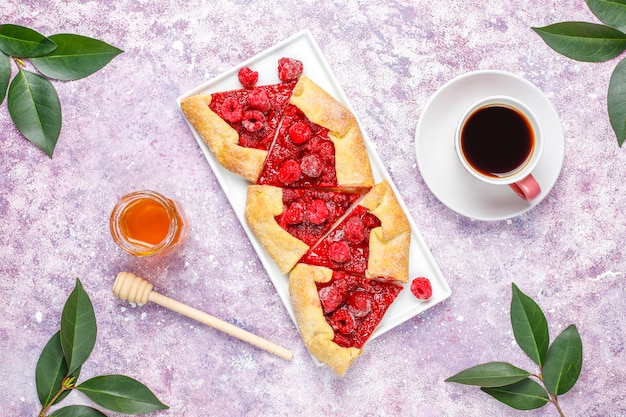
354, 306
309, 214
421, 288
306, 143
269, 101
346, 247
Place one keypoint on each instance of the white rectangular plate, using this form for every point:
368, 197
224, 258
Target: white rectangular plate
302, 46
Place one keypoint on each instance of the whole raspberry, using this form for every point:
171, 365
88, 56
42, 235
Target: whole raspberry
289, 69
289, 172
294, 214
290, 195
342, 340
359, 303
339, 251
253, 120
312, 165
330, 298
343, 321
370, 221
317, 212
257, 99
421, 288
323, 147
354, 230
247, 77
232, 110
299, 132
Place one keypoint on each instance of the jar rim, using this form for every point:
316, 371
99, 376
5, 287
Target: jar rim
124, 203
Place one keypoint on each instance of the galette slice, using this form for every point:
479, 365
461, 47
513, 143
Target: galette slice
318, 145
288, 222
337, 313
239, 126
372, 239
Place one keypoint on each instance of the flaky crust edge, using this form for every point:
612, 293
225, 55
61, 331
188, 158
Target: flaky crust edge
316, 333
389, 243
351, 159
263, 203
222, 139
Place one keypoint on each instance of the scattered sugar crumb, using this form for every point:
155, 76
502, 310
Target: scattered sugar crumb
178, 46
38, 316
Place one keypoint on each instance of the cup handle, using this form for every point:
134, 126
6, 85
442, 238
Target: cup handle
527, 188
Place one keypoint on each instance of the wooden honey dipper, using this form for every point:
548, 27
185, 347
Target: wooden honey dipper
135, 289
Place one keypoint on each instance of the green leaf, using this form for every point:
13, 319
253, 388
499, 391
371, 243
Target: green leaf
616, 101
78, 328
530, 326
563, 362
582, 41
23, 42
51, 371
5, 75
35, 109
77, 411
121, 394
523, 395
610, 12
75, 57
491, 374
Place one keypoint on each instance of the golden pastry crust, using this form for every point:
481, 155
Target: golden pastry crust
351, 160
222, 139
264, 203
314, 330
389, 243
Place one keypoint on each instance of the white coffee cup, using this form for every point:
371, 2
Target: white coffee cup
499, 141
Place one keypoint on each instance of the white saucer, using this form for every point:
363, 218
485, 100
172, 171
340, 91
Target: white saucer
438, 161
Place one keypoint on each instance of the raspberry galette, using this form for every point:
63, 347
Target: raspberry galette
336, 312
312, 204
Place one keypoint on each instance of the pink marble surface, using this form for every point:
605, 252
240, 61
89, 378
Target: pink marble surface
122, 131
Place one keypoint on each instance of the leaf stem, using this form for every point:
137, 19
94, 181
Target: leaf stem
21, 64
66, 385
553, 398
555, 401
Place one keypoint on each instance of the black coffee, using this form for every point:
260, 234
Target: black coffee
496, 140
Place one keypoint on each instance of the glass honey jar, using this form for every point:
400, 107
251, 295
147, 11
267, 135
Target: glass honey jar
145, 223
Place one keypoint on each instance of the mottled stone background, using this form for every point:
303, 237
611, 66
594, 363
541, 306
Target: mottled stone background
122, 131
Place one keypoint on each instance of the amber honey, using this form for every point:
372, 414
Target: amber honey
146, 223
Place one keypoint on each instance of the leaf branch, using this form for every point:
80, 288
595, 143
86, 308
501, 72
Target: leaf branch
60, 362
559, 363
593, 42
32, 99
